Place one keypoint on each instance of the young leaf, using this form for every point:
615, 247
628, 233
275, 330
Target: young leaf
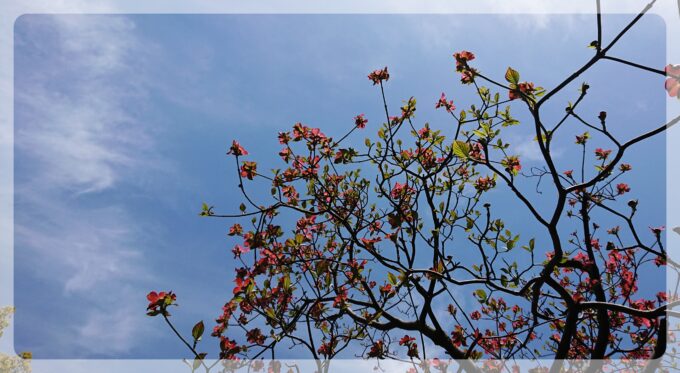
481, 295
197, 331
461, 149
392, 278
512, 76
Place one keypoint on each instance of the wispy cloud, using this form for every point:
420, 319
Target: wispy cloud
76, 136
527, 148
88, 248
73, 119
93, 335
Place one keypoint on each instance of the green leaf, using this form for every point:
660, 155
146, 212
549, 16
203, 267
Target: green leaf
197, 331
242, 207
286, 282
504, 280
512, 76
321, 267
480, 133
206, 210
461, 149
481, 295
469, 223
391, 278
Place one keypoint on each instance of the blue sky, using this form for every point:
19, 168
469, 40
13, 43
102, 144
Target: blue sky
122, 124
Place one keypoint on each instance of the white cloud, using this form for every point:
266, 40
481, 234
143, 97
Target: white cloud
82, 249
76, 136
97, 336
76, 124
527, 149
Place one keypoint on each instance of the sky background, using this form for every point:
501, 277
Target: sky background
122, 124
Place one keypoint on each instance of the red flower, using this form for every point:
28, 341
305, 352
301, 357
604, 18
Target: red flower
377, 349
660, 261
475, 315
299, 131
581, 139
236, 230
523, 89
241, 285
284, 137
360, 121
622, 188
406, 340
583, 258
237, 149
285, 154
255, 336
378, 76
386, 290
238, 250
229, 348
569, 173
602, 154
462, 59
477, 151
595, 243
249, 170
662, 297
511, 164
401, 191
326, 349
468, 76
673, 82
448, 105
424, 132
485, 183
340, 298
625, 167
158, 302
458, 336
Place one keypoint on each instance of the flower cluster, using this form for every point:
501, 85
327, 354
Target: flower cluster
410, 344
602, 154
485, 183
523, 89
360, 121
462, 58
159, 302
448, 105
236, 149
582, 139
379, 76
377, 349
622, 188
467, 73
249, 170
511, 164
